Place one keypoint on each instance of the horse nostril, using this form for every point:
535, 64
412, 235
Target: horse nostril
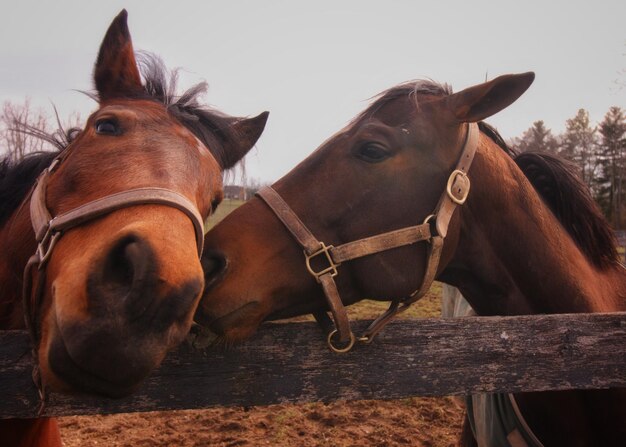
214, 265
127, 264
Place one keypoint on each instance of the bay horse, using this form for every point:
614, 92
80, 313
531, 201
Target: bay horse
384, 207
105, 234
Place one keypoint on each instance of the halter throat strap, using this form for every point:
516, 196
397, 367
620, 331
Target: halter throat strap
457, 190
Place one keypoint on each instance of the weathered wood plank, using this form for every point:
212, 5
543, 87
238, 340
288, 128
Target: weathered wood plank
290, 363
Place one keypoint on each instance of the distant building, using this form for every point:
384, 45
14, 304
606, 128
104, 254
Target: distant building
235, 192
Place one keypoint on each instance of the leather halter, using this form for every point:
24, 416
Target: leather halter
48, 230
457, 190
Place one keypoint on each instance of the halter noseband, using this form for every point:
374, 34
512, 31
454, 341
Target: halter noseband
457, 190
48, 231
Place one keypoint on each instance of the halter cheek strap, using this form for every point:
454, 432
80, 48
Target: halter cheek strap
457, 190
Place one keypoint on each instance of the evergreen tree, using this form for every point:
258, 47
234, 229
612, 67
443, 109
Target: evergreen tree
613, 158
579, 145
537, 138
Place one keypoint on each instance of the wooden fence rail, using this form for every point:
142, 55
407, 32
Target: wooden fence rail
290, 363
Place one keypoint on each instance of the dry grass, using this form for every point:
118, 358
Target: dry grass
225, 208
427, 307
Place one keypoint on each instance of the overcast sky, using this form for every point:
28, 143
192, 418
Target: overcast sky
314, 64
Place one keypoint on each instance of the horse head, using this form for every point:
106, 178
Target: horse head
119, 219
392, 168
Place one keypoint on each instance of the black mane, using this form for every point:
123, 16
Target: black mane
559, 184
16, 179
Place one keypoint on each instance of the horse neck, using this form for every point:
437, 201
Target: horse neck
516, 256
18, 244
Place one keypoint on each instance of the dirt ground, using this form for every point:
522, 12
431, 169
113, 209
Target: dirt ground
416, 421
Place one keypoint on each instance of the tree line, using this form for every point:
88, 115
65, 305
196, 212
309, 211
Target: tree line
599, 151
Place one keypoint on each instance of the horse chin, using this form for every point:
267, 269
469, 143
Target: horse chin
64, 374
101, 361
309, 307
235, 326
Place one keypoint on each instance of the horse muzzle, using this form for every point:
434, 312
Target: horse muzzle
132, 316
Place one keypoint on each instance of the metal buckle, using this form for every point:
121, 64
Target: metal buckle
44, 248
332, 266
456, 173
334, 348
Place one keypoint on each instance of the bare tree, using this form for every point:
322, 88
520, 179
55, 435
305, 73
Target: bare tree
16, 121
253, 185
24, 130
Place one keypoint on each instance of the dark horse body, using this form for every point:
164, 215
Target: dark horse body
120, 289
528, 240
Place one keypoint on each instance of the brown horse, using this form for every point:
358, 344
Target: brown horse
115, 222
525, 239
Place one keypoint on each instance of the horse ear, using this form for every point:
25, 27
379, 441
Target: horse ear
248, 131
115, 73
481, 101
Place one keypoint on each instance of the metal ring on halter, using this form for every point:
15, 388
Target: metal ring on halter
333, 348
365, 339
427, 220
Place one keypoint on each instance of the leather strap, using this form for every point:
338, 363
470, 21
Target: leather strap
44, 224
457, 191
458, 185
290, 220
381, 242
311, 246
342, 323
399, 306
345, 252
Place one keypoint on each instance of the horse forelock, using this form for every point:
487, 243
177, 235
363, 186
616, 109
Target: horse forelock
210, 126
410, 90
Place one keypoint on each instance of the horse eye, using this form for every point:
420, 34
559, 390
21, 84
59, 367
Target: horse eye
214, 204
107, 126
372, 152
